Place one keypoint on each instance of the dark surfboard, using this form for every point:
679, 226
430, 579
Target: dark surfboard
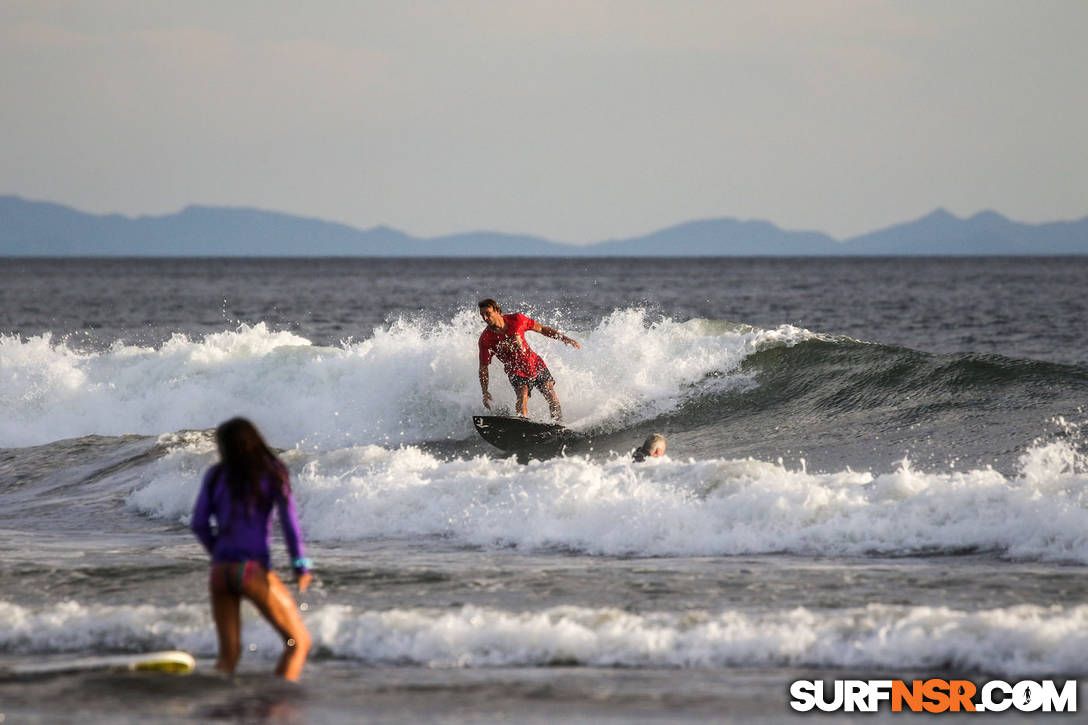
524, 437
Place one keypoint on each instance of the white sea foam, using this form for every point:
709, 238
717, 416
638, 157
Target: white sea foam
74, 627
666, 507
1017, 641
410, 381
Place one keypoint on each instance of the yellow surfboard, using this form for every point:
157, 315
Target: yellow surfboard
167, 661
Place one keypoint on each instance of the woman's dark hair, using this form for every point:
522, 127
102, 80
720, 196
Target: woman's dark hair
246, 460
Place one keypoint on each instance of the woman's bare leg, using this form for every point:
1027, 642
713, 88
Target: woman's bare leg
275, 603
228, 625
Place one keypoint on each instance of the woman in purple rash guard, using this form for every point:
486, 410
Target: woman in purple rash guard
240, 493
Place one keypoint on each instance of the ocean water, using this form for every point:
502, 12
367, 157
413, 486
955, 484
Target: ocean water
877, 469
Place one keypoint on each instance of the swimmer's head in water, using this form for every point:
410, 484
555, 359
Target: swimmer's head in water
652, 447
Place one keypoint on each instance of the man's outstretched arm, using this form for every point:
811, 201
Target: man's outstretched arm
483, 386
556, 334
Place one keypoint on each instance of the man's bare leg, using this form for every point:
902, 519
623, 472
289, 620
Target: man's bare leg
523, 400
553, 402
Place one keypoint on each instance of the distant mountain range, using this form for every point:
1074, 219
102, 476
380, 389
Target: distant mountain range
42, 229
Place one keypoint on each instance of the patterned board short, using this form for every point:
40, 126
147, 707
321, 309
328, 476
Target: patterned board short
543, 377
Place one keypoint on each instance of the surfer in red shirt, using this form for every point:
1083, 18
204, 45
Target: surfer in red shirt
504, 338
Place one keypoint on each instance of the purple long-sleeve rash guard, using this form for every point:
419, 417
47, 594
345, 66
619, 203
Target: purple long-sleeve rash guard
242, 530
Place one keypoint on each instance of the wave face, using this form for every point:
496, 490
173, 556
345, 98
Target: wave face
1017, 641
844, 377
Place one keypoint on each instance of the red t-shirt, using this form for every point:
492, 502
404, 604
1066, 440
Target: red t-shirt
510, 347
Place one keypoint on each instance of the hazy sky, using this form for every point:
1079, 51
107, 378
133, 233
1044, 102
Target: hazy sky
579, 121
